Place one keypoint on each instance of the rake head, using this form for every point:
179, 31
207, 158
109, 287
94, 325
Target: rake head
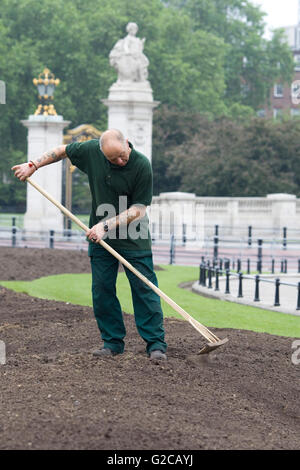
209, 347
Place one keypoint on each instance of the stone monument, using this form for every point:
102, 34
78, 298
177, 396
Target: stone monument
130, 101
45, 132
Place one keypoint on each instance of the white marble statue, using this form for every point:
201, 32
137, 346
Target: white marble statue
128, 59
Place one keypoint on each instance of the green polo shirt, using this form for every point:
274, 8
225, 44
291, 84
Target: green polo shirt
114, 189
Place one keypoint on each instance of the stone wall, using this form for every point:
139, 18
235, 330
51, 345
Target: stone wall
197, 216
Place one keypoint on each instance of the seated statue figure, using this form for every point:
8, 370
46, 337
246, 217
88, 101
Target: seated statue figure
128, 59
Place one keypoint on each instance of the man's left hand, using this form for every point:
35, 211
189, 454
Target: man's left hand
96, 233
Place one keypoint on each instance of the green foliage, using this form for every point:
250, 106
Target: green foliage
73, 39
251, 61
196, 50
229, 158
172, 130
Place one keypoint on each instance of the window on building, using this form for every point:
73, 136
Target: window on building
277, 113
295, 112
298, 38
297, 62
261, 113
278, 90
295, 92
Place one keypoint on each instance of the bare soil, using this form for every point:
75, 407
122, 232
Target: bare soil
55, 395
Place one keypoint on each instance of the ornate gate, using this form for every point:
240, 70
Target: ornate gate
80, 133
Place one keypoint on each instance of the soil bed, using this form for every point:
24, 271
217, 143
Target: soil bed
55, 395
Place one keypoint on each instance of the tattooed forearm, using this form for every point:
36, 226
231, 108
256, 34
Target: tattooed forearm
47, 155
51, 156
126, 217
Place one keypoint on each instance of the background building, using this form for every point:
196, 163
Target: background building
281, 95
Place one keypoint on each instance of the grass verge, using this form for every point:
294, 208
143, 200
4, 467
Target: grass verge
76, 289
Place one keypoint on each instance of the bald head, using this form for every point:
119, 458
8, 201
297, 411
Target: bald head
115, 147
111, 136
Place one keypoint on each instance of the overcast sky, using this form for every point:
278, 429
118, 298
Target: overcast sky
280, 12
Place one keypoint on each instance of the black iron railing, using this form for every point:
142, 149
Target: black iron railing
209, 272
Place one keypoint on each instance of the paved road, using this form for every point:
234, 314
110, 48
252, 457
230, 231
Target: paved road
288, 294
183, 255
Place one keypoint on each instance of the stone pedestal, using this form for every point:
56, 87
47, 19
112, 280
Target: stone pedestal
233, 214
178, 214
130, 109
44, 134
283, 210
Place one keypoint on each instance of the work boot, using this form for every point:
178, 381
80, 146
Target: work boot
104, 352
157, 354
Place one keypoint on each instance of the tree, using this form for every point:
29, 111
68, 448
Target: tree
239, 159
196, 50
172, 130
251, 61
73, 39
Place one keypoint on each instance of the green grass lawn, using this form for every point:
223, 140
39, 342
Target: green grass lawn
76, 289
6, 219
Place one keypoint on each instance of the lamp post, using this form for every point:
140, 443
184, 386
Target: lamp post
46, 84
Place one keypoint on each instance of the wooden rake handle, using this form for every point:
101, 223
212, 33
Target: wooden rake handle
198, 326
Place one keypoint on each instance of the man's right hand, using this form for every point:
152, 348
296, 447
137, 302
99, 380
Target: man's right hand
23, 171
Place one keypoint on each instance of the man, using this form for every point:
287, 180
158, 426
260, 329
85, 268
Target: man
120, 180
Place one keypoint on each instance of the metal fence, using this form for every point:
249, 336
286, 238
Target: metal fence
208, 272
67, 239
248, 254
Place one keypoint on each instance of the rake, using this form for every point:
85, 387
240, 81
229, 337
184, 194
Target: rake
213, 341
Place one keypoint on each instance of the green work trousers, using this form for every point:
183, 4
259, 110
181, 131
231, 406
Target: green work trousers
146, 303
